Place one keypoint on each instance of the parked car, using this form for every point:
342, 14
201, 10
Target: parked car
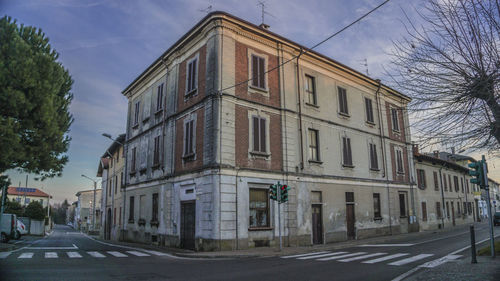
496, 218
8, 227
21, 229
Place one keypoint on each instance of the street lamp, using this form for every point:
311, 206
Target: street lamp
93, 205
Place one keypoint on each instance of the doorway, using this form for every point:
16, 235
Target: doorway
188, 214
453, 213
317, 224
350, 217
108, 225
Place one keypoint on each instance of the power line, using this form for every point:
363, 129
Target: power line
313, 47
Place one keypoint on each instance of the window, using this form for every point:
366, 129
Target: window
120, 217
455, 180
156, 151
258, 72
259, 208
159, 98
259, 134
449, 181
346, 152
131, 210
458, 209
376, 206
462, 184
188, 138
116, 183
464, 210
313, 145
447, 210
373, 157
438, 210
421, 179
399, 161
136, 113
469, 208
369, 110
402, 204
311, 90
349, 197
192, 76
134, 155
436, 181
142, 207
343, 109
445, 184
424, 211
155, 208
395, 120
122, 182
114, 216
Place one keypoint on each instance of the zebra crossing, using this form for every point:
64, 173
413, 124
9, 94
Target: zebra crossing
81, 254
397, 259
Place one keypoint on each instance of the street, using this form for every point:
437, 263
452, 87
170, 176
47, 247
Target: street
70, 255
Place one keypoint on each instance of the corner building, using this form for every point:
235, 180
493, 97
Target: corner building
232, 108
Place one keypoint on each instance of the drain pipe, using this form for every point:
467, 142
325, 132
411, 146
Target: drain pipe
300, 112
384, 158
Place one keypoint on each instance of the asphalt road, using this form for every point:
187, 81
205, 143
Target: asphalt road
70, 255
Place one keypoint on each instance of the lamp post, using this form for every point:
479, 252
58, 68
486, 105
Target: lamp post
93, 205
124, 184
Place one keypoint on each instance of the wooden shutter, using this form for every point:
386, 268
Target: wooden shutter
373, 156
255, 71
369, 110
424, 211
262, 135
262, 74
436, 182
255, 134
193, 79
191, 136
190, 77
347, 151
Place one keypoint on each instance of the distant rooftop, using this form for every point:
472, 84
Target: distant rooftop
28, 191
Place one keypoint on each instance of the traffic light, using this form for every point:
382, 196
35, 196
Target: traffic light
273, 192
477, 173
284, 193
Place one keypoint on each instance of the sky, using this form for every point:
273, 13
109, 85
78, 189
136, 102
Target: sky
106, 44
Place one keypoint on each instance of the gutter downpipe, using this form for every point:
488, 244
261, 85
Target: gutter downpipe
300, 112
384, 158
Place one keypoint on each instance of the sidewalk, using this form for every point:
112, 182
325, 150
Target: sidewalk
274, 251
485, 269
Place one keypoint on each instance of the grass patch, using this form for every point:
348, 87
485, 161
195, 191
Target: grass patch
486, 251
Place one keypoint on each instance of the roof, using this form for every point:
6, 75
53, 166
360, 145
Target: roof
117, 143
442, 162
218, 15
451, 156
28, 191
103, 164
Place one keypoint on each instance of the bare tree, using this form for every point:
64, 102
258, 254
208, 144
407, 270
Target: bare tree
450, 66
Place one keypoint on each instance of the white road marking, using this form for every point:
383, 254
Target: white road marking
139, 254
341, 256
4, 255
51, 255
26, 256
320, 256
156, 253
73, 254
386, 245
53, 248
440, 261
411, 259
303, 255
19, 242
386, 258
117, 254
96, 254
363, 257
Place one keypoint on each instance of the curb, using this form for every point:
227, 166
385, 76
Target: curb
7, 249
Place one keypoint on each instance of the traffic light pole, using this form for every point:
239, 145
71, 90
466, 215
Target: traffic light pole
488, 204
279, 214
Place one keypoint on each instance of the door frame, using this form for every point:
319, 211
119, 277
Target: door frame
108, 225
321, 236
182, 223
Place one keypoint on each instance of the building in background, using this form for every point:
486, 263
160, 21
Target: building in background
213, 122
111, 172
84, 210
26, 195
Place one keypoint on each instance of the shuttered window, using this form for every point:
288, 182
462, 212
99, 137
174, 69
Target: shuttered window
311, 90
159, 98
373, 157
346, 152
343, 109
369, 110
259, 134
444, 182
449, 181
192, 76
154, 216
399, 161
421, 179
395, 120
258, 72
436, 181
136, 113
189, 138
455, 180
131, 209
134, 157
424, 211
156, 152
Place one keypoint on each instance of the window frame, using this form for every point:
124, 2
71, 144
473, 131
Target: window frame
436, 180
399, 161
259, 135
424, 210
267, 209
372, 149
189, 140
310, 81
154, 207
156, 151
343, 105
133, 165
131, 209
313, 149
260, 69
137, 110
403, 208
395, 119
192, 88
369, 111
439, 212
347, 152
159, 98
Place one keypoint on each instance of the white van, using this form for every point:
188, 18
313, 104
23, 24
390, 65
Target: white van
8, 227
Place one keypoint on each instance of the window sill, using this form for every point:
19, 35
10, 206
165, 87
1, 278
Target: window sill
400, 173
343, 114
155, 166
188, 157
312, 105
370, 123
350, 166
374, 169
130, 221
145, 120
397, 132
158, 111
260, 228
143, 171
154, 223
191, 93
260, 154
315, 162
132, 174
377, 218
262, 90
135, 126
141, 222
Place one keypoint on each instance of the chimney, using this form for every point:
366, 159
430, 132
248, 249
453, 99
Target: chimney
415, 148
436, 153
264, 26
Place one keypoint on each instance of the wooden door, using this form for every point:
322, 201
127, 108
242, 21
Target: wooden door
453, 213
351, 233
107, 235
188, 213
317, 224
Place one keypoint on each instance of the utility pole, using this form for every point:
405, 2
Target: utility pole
488, 204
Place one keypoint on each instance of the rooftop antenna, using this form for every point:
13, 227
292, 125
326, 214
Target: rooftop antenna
263, 12
364, 62
207, 10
